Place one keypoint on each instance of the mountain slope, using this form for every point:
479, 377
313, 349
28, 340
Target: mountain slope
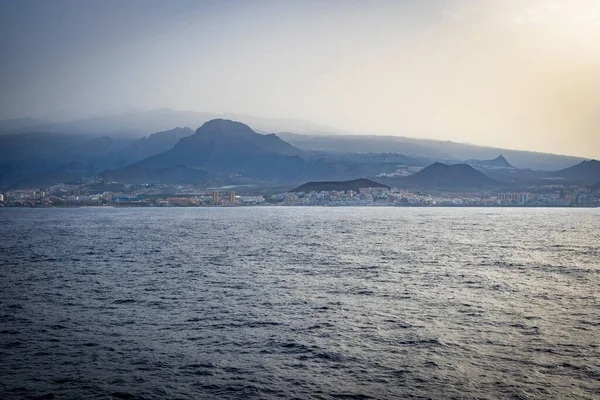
364, 144
177, 174
226, 147
433, 149
154, 144
50, 157
452, 177
53, 176
585, 171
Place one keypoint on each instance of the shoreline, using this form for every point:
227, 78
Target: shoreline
308, 205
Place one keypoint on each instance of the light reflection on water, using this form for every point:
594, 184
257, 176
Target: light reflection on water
300, 302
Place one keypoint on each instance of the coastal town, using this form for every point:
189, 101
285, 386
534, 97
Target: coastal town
98, 193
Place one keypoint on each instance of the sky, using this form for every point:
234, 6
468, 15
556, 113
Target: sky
518, 74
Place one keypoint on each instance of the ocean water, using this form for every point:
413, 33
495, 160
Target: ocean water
323, 303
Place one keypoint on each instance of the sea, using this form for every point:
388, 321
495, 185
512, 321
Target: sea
300, 303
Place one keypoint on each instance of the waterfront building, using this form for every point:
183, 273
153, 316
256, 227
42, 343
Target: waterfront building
521, 198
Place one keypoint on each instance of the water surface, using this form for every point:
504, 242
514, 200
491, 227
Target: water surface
323, 303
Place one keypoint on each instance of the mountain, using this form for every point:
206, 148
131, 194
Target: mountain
451, 177
438, 150
232, 153
55, 175
498, 162
226, 152
42, 155
354, 185
224, 147
585, 171
308, 136
154, 144
58, 148
31, 160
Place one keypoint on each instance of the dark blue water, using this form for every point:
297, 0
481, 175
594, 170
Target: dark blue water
324, 303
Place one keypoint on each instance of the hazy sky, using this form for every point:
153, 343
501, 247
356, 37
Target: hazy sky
512, 73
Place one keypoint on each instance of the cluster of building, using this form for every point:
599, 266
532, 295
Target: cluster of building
190, 197
394, 197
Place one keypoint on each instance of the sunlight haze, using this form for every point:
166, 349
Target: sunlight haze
505, 73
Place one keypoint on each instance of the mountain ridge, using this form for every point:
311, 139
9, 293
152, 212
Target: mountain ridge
446, 151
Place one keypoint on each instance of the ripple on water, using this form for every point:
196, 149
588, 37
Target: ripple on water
345, 303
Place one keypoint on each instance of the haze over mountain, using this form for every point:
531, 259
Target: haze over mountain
500, 73
137, 123
23, 156
224, 152
433, 149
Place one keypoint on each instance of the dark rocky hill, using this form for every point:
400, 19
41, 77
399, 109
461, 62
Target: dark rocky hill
354, 185
226, 147
449, 177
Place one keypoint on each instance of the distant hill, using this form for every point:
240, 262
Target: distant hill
365, 144
54, 175
231, 152
59, 148
449, 177
306, 136
498, 162
438, 150
227, 147
42, 159
225, 151
585, 171
154, 144
354, 185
